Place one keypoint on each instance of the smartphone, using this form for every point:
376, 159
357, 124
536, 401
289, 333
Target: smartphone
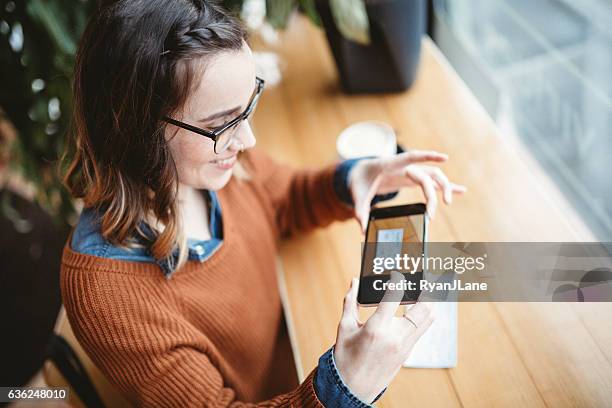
396, 240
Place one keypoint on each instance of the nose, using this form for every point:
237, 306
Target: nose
244, 137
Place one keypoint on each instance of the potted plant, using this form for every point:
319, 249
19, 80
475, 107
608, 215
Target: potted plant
388, 58
376, 44
37, 44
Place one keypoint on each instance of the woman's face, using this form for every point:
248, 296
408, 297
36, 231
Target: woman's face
223, 92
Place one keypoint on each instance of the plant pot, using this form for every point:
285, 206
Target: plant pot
390, 62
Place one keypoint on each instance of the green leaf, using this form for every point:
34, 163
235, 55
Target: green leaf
279, 11
351, 18
309, 8
54, 21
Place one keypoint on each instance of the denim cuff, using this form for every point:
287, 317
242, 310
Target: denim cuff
331, 389
343, 188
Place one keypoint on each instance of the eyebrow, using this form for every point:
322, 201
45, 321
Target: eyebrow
220, 114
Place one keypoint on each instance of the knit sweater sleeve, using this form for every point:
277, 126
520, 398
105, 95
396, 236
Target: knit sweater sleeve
300, 199
136, 336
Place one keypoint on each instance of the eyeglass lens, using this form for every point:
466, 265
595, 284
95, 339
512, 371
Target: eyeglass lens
225, 139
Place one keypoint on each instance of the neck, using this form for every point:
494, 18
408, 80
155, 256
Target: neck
185, 193
193, 211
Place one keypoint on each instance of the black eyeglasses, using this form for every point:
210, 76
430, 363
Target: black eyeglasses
224, 134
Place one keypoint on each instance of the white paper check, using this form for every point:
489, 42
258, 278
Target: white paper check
437, 348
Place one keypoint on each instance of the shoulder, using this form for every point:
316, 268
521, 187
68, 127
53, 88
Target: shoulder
87, 239
265, 171
94, 275
259, 164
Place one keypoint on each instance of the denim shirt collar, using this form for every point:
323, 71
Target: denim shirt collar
88, 239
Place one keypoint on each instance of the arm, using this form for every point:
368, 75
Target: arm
331, 388
342, 183
304, 199
300, 199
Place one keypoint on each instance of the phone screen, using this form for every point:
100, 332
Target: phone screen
395, 241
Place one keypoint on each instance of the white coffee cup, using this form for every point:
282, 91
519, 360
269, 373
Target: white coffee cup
369, 138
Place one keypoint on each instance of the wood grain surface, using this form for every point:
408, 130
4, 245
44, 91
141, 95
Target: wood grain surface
510, 354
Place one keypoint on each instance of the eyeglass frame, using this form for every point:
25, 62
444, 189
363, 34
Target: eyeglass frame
215, 133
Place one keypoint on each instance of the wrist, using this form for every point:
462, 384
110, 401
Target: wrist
331, 389
341, 181
351, 379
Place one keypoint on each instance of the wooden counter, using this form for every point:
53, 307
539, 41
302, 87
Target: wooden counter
510, 354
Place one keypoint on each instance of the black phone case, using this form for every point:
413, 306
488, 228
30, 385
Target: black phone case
390, 212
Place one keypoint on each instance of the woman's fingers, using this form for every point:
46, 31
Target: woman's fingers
390, 302
417, 314
364, 185
362, 210
432, 178
420, 177
414, 156
458, 188
445, 185
417, 320
350, 312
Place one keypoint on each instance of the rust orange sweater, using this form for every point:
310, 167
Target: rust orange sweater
207, 336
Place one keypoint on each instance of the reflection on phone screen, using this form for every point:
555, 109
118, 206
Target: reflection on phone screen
398, 238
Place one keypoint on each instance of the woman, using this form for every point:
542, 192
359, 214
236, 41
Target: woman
169, 277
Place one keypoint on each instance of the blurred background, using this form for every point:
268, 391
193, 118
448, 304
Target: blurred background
540, 68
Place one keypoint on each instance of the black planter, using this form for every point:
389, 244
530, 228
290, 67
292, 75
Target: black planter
390, 62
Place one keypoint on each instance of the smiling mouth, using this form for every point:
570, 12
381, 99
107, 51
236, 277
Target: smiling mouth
224, 163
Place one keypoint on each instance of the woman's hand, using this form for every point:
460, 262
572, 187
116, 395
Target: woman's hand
385, 175
369, 355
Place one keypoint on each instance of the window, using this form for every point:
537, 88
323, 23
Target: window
543, 70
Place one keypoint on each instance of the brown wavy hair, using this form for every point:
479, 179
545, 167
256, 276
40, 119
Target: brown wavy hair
137, 62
